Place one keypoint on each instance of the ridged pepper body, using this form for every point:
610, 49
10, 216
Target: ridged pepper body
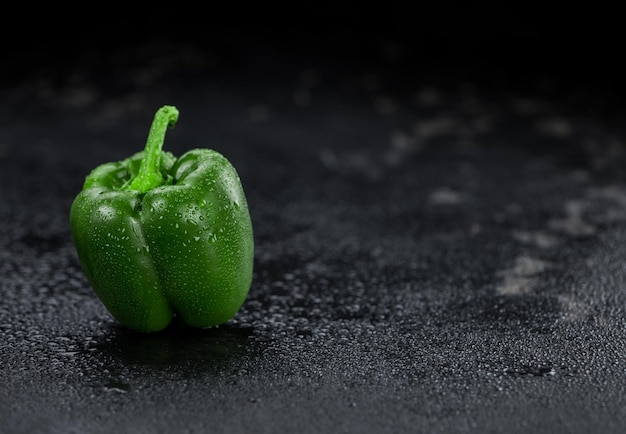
184, 247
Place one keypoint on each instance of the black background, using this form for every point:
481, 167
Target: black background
487, 44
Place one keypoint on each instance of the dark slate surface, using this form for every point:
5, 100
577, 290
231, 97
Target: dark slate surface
440, 232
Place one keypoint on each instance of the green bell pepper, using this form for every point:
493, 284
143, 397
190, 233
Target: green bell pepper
159, 237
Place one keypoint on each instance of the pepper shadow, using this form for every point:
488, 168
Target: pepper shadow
178, 346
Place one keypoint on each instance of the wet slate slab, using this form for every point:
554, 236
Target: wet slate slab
434, 253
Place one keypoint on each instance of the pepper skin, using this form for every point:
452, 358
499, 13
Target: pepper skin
159, 237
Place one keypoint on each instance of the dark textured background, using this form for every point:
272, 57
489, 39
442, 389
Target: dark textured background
439, 206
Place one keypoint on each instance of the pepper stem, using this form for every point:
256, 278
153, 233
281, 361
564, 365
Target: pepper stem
149, 175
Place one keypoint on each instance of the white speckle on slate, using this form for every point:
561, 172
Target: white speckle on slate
520, 277
573, 223
559, 128
540, 239
528, 266
402, 145
514, 285
427, 97
435, 127
445, 196
573, 310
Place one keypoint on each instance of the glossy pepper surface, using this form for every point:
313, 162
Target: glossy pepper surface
159, 236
